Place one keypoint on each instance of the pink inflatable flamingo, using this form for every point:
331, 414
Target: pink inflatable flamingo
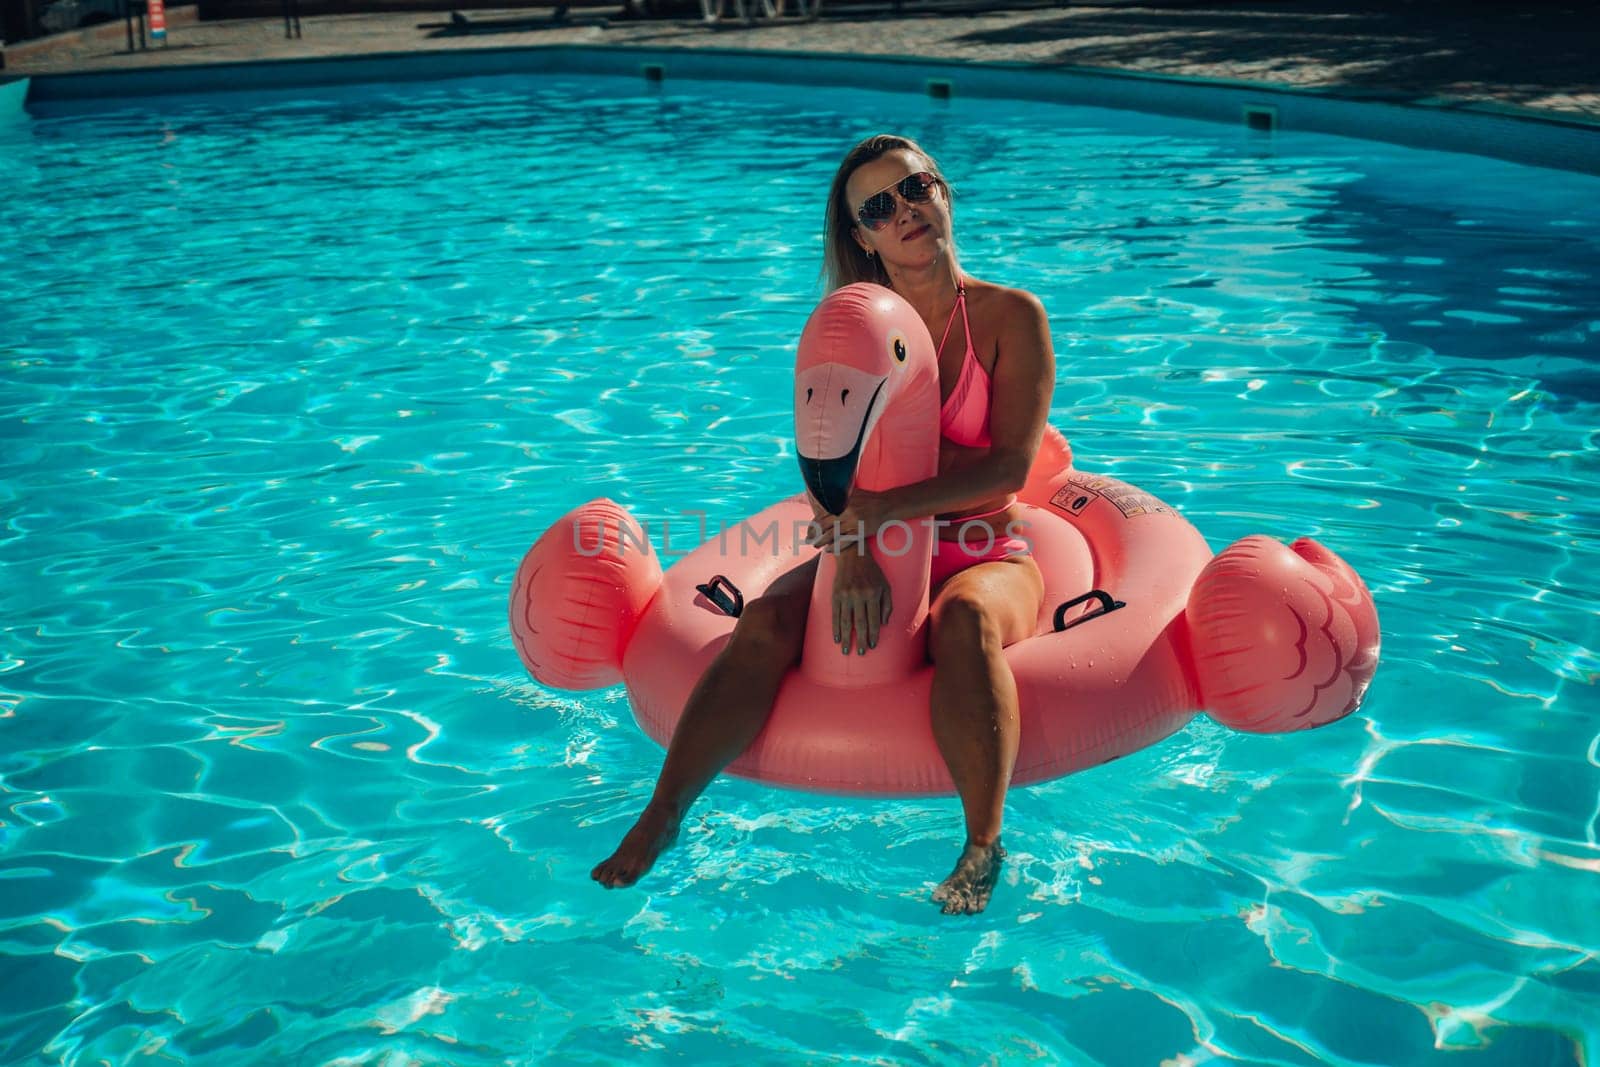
1141, 625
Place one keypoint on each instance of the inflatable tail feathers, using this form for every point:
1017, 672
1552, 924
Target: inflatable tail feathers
1284, 638
579, 594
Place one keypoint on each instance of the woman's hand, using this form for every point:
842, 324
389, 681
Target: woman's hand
860, 601
863, 516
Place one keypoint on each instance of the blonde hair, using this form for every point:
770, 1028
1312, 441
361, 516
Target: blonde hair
843, 259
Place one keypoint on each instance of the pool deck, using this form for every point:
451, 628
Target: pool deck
1534, 59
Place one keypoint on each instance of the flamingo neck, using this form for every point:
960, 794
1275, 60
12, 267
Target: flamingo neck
903, 449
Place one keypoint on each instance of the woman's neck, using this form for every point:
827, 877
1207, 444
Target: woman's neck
931, 290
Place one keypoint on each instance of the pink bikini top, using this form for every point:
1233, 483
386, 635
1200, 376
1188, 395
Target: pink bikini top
964, 418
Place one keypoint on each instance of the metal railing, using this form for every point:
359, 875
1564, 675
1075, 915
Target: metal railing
745, 11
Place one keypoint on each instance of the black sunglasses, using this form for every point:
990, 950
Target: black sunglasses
879, 209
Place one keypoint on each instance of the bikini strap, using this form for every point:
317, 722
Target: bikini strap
961, 298
961, 302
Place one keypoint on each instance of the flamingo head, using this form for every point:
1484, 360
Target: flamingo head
861, 347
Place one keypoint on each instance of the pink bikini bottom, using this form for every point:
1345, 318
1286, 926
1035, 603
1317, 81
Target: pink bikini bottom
954, 556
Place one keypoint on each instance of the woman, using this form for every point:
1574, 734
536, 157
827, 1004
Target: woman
889, 221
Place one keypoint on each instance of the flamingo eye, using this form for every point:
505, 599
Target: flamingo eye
899, 350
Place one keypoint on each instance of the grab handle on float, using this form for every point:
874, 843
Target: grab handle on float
733, 605
1107, 606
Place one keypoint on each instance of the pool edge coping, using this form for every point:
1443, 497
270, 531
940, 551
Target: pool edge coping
1395, 97
178, 79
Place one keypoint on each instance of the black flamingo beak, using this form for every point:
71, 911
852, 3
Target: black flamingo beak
829, 479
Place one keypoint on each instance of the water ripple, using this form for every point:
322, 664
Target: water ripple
272, 779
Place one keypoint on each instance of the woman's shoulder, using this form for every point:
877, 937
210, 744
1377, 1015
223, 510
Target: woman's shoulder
1001, 300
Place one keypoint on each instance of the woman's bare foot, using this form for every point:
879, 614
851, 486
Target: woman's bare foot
966, 891
652, 834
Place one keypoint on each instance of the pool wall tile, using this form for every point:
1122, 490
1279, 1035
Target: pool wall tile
1446, 125
13, 94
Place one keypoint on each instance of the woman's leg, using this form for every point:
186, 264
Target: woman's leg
975, 615
724, 713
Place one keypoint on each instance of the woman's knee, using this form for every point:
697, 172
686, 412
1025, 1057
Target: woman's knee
963, 624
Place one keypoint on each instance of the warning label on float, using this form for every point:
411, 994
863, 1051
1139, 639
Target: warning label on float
1081, 490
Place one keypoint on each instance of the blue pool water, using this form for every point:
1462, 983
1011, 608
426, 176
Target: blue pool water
291, 382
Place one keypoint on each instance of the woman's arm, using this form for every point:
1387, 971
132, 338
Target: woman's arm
1019, 406
862, 602
953, 457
